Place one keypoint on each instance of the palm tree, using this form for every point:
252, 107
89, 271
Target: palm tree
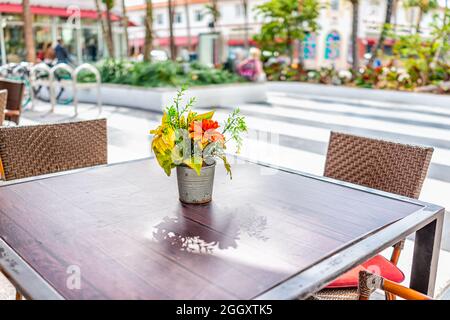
109, 5
424, 7
28, 31
188, 25
148, 45
213, 10
105, 32
383, 33
172, 47
355, 21
245, 7
125, 27
300, 47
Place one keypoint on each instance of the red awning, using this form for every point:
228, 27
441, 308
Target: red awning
164, 42
179, 41
240, 42
53, 11
183, 42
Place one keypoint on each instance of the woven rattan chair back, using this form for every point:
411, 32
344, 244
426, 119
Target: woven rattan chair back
378, 164
15, 95
27, 151
3, 97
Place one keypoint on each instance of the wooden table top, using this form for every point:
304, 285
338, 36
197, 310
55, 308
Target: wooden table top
131, 238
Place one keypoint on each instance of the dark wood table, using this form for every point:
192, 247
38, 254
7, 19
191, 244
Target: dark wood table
268, 234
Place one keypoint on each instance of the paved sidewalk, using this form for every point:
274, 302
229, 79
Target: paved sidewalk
292, 131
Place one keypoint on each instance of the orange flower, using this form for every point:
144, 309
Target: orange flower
214, 136
195, 126
209, 124
205, 131
203, 126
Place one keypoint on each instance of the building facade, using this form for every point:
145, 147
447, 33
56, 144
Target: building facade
330, 45
76, 24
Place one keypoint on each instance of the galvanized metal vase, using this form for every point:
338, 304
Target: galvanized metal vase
193, 188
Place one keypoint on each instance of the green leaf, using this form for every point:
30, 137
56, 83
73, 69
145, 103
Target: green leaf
191, 116
204, 116
235, 125
165, 161
226, 165
194, 163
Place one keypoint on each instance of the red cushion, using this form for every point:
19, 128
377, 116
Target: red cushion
378, 265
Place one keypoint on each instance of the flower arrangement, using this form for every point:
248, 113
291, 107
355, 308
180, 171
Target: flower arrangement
188, 138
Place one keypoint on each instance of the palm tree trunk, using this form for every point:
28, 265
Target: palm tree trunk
289, 49
188, 26
109, 40
395, 16
28, 31
214, 5
355, 20
102, 22
419, 20
300, 46
125, 27
446, 36
215, 13
173, 53
148, 45
383, 33
245, 7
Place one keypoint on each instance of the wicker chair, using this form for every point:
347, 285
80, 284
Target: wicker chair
3, 97
27, 151
14, 102
377, 164
369, 282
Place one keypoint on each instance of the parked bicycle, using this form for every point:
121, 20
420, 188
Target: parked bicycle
19, 72
22, 72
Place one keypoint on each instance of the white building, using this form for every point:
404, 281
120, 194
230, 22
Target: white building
329, 45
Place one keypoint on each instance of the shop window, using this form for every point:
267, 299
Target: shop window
91, 48
14, 43
238, 10
334, 5
160, 18
198, 15
309, 46
178, 17
332, 46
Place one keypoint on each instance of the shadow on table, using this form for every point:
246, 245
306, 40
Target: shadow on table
185, 234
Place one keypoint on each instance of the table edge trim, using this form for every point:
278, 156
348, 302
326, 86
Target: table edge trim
23, 277
300, 286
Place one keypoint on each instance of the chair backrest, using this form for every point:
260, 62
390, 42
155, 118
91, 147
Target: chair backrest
378, 164
15, 93
3, 97
27, 151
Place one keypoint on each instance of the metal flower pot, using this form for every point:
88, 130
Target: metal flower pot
193, 188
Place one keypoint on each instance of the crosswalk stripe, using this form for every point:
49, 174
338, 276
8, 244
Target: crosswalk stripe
286, 105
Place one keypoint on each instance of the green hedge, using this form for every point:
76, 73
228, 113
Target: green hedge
160, 74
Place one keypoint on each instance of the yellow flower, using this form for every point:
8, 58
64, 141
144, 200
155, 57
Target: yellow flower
162, 145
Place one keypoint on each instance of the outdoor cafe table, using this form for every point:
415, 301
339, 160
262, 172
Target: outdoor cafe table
119, 232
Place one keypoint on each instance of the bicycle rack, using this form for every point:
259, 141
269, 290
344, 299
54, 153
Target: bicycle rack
35, 82
4, 71
63, 83
20, 67
92, 69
